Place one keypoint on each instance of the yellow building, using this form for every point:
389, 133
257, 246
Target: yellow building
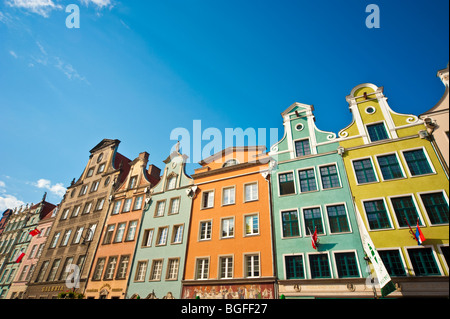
398, 181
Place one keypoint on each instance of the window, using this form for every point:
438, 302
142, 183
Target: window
110, 268
101, 168
423, 262
66, 268
148, 237
302, 148
329, 176
66, 237
116, 208
313, 219
202, 268
87, 208
228, 196
162, 236
174, 205
404, 208
390, 167
131, 230
205, 230
94, 186
99, 269
226, 267
436, 207
251, 225
53, 270
230, 162
286, 183
364, 171
76, 211
123, 266
251, 266
208, 199
177, 234
294, 267
127, 205
65, 213
55, 240
417, 162
133, 181
160, 206
320, 267
377, 132
138, 203
172, 270
227, 228
290, 223
307, 180
140, 271
393, 262
78, 233
347, 266
83, 190
251, 192
337, 218
42, 271
90, 172
377, 215
171, 182
119, 233
100, 204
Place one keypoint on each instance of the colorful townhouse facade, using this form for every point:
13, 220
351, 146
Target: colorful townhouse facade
17, 238
158, 264
310, 192
398, 184
4, 220
44, 215
436, 121
68, 254
109, 277
230, 248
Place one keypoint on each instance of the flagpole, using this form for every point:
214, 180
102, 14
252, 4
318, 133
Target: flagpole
410, 229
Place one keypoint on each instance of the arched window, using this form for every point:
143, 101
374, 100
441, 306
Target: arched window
230, 162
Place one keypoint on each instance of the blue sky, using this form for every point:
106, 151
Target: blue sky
135, 70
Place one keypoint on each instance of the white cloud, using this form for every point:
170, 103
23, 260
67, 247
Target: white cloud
98, 3
41, 7
2, 184
57, 189
69, 70
13, 54
9, 201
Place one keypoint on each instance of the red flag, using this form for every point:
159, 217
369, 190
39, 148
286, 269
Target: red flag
314, 239
19, 257
35, 232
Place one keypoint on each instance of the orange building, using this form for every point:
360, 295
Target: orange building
109, 274
229, 253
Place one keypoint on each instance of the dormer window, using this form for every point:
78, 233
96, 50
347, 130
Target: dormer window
171, 182
133, 181
377, 132
230, 162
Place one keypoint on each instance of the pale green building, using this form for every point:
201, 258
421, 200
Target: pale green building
158, 264
310, 191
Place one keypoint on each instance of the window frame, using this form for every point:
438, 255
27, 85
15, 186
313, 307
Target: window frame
427, 157
337, 174
313, 168
364, 169
399, 162
293, 181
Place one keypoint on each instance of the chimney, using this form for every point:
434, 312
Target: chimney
154, 171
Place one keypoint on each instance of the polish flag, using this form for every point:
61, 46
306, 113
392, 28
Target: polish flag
19, 257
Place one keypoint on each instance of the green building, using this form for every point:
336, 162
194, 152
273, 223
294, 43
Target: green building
158, 264
310, 191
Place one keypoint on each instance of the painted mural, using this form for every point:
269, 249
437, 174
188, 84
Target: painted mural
258, 291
